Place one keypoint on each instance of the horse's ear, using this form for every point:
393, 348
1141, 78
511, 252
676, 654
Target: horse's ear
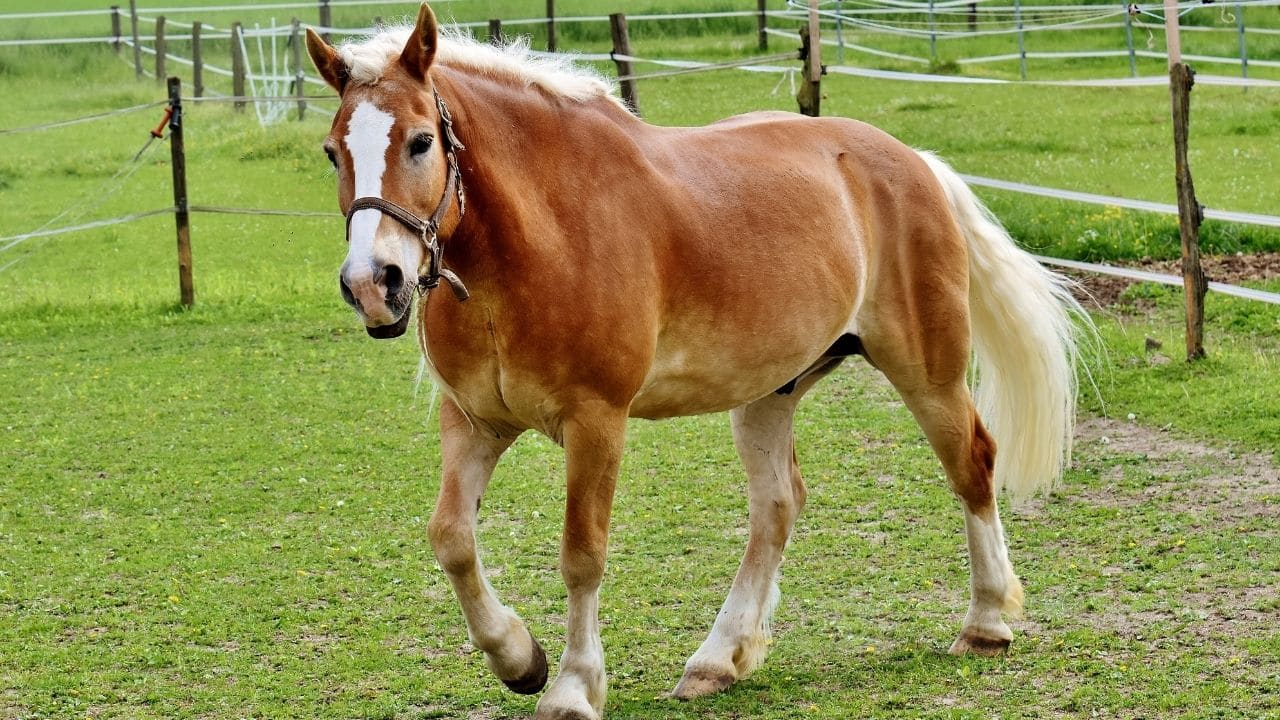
421, 48
327, 61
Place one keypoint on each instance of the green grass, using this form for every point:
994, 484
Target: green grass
220, 513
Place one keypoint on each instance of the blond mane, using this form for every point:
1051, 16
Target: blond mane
367, 59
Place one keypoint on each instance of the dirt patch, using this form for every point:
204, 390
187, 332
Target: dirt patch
1229, 489
1105, 290
1186, 475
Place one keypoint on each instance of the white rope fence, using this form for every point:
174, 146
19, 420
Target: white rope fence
1161, 278
853, 13
1078, 16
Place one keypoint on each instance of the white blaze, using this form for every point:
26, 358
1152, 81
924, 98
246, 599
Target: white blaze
368, 137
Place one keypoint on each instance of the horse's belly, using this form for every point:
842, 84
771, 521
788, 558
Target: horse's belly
702, 377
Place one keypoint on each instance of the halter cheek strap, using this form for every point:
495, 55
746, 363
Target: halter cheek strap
428, 230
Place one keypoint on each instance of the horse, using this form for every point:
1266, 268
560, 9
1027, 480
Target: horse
600, 268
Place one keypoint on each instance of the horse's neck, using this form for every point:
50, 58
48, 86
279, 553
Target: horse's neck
531, 161
517, 133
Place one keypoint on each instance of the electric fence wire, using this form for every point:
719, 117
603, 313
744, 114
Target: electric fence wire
89, 202
83, 119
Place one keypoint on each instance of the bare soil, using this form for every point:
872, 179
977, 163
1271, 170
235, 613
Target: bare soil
1105, 290
1234, 492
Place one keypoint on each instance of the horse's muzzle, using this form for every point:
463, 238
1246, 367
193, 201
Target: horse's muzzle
394, 330
385, 299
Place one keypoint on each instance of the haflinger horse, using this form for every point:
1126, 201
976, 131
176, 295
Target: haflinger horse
600, 268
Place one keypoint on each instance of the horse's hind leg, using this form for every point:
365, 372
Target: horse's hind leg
932, 385
469, 456
762, 432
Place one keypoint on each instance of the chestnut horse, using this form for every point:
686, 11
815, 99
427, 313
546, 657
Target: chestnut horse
615, 269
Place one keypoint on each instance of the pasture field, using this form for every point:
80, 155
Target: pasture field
221, 512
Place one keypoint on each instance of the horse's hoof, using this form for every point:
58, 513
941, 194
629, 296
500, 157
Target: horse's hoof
564, 714
577, 708
697, 683
536, 678
972, 642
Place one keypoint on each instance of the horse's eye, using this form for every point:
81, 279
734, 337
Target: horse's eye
420, 144
333, 159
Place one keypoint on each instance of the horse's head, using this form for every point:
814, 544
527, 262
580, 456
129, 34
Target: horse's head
390, 145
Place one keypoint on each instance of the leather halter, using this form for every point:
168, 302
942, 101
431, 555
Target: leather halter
428, 230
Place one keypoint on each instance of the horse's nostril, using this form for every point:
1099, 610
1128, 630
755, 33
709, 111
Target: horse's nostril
393, 280
346, 291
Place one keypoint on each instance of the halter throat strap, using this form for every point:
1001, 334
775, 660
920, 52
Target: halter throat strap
428, 230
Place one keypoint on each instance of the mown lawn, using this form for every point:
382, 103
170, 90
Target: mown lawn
220, 513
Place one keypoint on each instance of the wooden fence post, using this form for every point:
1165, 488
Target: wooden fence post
809, 94
622, 49
1190, 212
762, 23
197, 60
182, 217
495, 31
299, 84
137, 47
326, 20
115, 28
551, 25
973, 17
237, 65
161, 48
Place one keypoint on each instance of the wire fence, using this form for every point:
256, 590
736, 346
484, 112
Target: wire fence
937, 21
760, 63
117, 181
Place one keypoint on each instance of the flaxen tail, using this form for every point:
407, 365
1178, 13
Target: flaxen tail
1024, 341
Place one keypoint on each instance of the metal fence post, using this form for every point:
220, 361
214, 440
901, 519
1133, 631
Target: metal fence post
299, 84
1022, 47
933, 35
840, 31
1244, 52
1128, 40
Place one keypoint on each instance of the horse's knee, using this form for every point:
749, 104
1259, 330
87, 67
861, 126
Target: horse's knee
453, 543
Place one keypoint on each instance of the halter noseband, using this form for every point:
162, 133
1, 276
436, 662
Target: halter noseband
428, 230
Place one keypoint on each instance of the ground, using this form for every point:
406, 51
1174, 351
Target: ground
1101, 291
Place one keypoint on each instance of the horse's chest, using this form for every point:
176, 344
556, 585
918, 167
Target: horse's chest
462, 358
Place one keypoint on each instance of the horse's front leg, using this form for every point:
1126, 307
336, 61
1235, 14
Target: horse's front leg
593, 443
469, 455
